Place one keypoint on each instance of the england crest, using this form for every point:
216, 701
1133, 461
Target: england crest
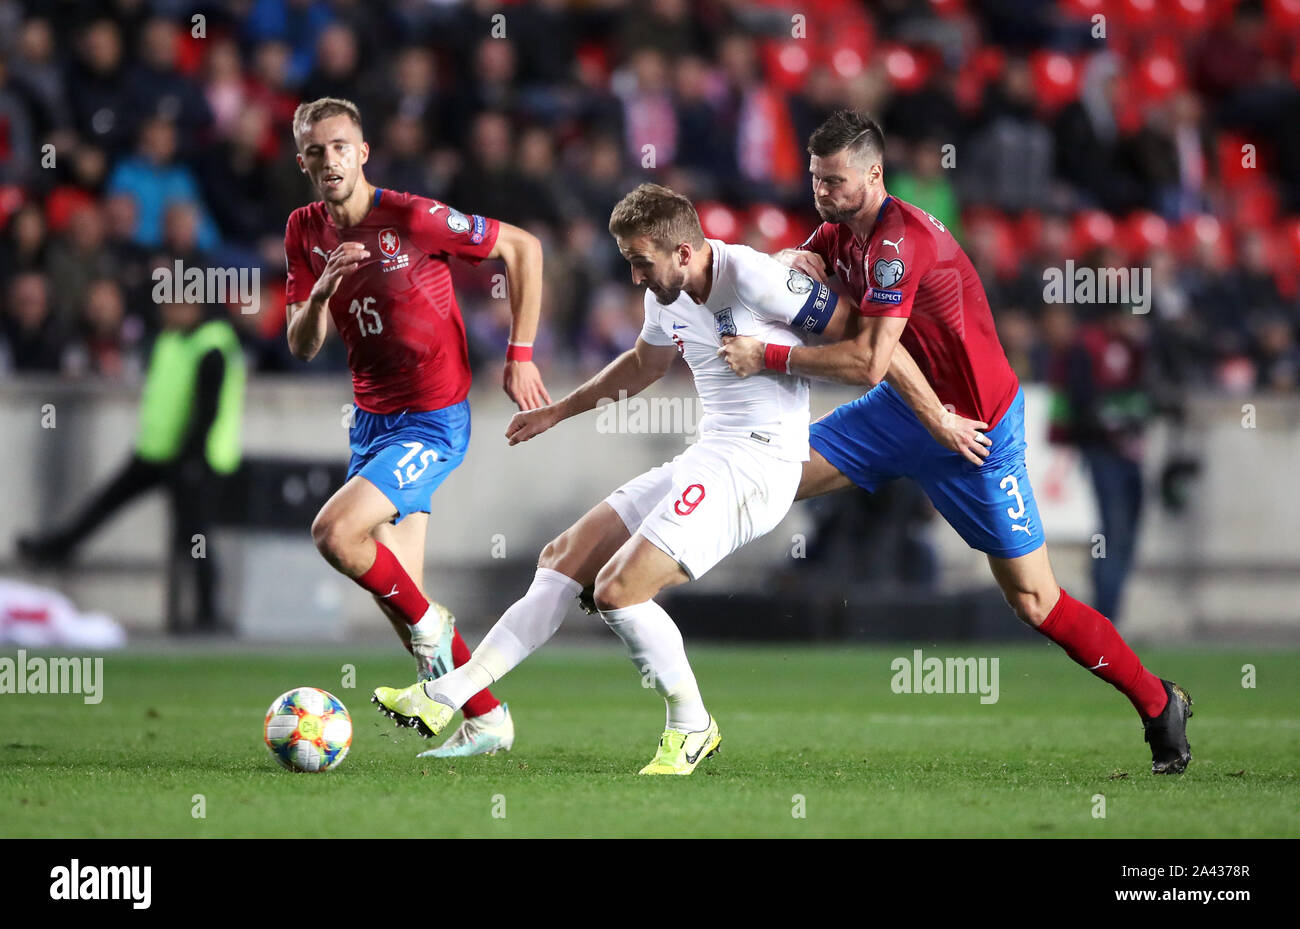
726, 324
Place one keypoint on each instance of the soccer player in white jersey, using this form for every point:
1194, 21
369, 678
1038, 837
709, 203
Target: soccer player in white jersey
676, 521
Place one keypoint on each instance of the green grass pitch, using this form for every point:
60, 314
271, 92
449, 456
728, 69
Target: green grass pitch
811, 730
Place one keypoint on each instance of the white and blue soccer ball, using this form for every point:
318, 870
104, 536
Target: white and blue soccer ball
308, 729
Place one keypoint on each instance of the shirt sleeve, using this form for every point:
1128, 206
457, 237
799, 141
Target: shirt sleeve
439, 229
894, 276
652, 329
783, 295
300, 280
820, 243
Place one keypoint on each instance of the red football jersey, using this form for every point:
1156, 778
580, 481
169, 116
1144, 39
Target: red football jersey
911, 266
397, 312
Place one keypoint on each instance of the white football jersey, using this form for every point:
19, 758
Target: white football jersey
753, 295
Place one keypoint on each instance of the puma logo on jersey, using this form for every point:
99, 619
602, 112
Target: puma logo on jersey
894, 244
847, 272
433, 210
320, 251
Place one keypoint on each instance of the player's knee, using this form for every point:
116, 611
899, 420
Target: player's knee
553, 555
331, 536
612, 592
1030, 606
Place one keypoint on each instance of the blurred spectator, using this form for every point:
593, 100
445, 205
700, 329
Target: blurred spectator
154, 179
101, 106
38, 72
927, 184
157, 89
32, 337
107, 335
25, 247
17, 137
297, 23
1009, 159
1103, 406
77, 258
1090, 146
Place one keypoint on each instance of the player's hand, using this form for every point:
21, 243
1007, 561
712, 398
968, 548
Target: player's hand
342, 261
743, 354
523, 384
963, 436
524, 425
811, 264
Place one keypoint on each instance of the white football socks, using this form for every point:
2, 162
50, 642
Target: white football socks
655, 646
523, 629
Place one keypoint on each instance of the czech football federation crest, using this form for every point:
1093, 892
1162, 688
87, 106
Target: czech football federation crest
389, 243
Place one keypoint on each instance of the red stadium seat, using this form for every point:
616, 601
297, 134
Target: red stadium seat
907, 70
1284, 14
62, 205
948, 7
1140, 14
11, 201
1193, 15
1200, 231
1082, 9
1091, 229
719, 221
1233, 173
1255, 205
787, 63
1159, 74
994, 230
1056, 79
1143, 231
777, 228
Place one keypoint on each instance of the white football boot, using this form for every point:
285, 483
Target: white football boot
476, 736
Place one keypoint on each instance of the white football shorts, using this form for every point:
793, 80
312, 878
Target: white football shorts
709, 501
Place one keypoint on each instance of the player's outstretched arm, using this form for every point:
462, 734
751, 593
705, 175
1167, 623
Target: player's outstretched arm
627, 375
307, 319
522, 254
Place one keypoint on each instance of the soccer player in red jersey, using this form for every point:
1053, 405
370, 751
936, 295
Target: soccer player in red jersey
913, 285
376, 262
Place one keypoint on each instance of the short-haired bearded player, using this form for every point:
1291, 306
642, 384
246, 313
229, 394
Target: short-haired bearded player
376, 262
914, 286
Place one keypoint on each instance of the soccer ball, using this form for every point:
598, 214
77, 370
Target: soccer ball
308, 729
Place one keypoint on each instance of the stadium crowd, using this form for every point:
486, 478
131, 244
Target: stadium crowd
129, 139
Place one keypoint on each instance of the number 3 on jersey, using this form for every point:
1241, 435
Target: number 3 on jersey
372, 326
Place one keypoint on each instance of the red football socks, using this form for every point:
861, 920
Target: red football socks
1092, 641
388, 580
483, 701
